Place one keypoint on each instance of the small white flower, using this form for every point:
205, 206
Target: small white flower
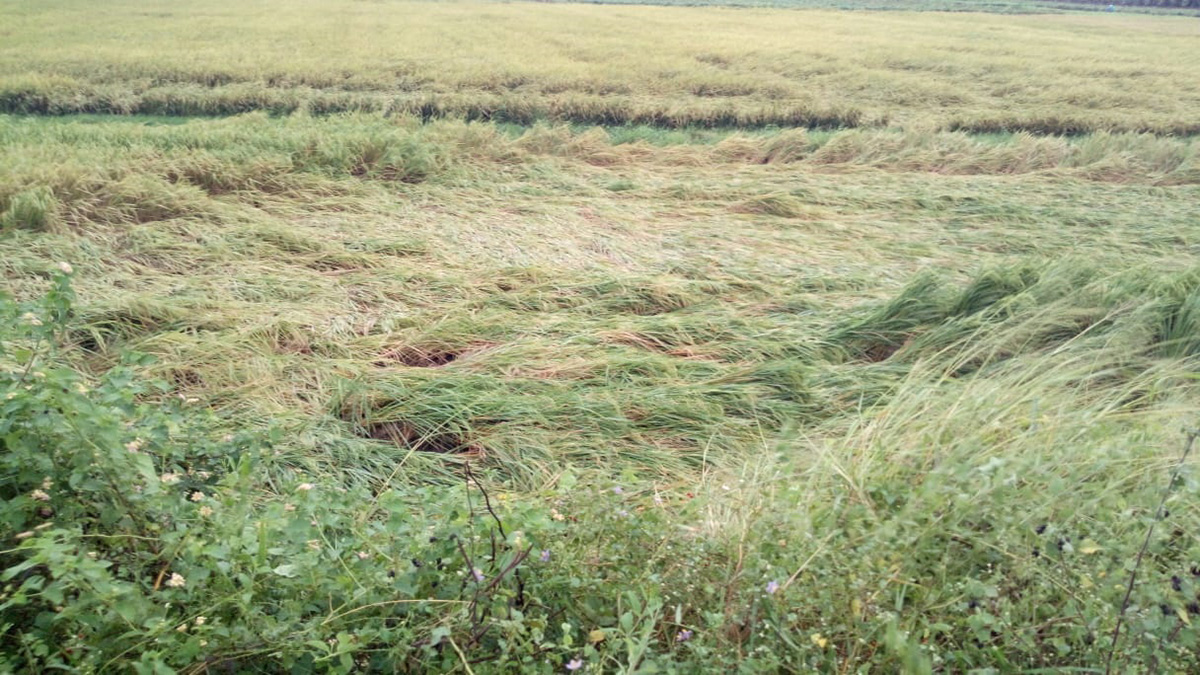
314, 544
169, 478
47, 483
40, 495
66, 267
182, 628
197, 496
134, 445
363, 555
289, 507
206, 511
305, 487
200, 620
31, 319
176, 580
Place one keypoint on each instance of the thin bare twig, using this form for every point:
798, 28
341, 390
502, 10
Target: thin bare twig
1158, 516
487, 503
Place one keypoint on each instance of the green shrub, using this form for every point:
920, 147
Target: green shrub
142, 538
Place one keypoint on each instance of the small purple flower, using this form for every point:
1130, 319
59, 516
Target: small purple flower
617, 490
772, 586
574, 664
477, 574
683, 636
622, 513
546, 555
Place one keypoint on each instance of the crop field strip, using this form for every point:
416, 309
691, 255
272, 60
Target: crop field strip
267, 262
1047, 74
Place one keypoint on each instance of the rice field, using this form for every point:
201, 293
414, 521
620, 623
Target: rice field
607, 65
507, 337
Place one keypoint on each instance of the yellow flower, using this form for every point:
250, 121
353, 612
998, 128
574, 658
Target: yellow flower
819, 640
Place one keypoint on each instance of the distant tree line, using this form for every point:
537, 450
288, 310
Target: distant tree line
1186, 4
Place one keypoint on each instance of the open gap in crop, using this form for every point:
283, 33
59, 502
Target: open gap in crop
405, 435
880, 351
426, 357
